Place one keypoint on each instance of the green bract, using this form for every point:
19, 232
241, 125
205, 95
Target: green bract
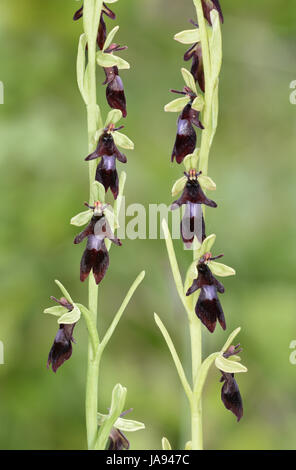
188, 36
80, 67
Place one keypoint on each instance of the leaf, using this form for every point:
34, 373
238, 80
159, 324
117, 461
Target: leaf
207, 183
64, 291
215, 45
166, 444
113, 117
70, 317
57, 310
188, 36
123, 141
230, 339
179, 186
198, 103
110, 37
82, 218
125, 425
116, 408
80, 66
175, 356
121, 310
230, 367
207, 244
177, 105
220, 269
111, 60
189, 80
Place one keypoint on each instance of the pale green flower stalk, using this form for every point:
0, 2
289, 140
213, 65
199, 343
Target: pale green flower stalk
207, 104
98, 425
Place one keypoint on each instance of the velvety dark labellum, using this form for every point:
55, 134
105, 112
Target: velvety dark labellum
231, 396
186, 137
106, 172
117, 440
208, 6
192, 224
197, 70
115, 90
61, 349
208, 307
95, 256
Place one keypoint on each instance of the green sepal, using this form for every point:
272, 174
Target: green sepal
111, 60
57, 310
228, 366
70, 317
124, 425
179, 186
82, 218
177, 105
188, 36
220, 269
207, 183
230, 339
123, 141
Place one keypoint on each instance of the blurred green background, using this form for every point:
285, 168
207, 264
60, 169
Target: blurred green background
44, 182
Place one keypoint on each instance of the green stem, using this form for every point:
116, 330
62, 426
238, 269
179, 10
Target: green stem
195, 324
91, 403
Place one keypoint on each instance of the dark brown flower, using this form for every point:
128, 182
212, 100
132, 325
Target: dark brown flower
208, 6
102, 32
106, 172
208, 307
61, 349
231, 396
117, 440
186, 137
115, 90
197, 70
96, 256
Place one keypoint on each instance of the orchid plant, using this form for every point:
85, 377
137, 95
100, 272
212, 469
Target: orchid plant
97, 48
199, 107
